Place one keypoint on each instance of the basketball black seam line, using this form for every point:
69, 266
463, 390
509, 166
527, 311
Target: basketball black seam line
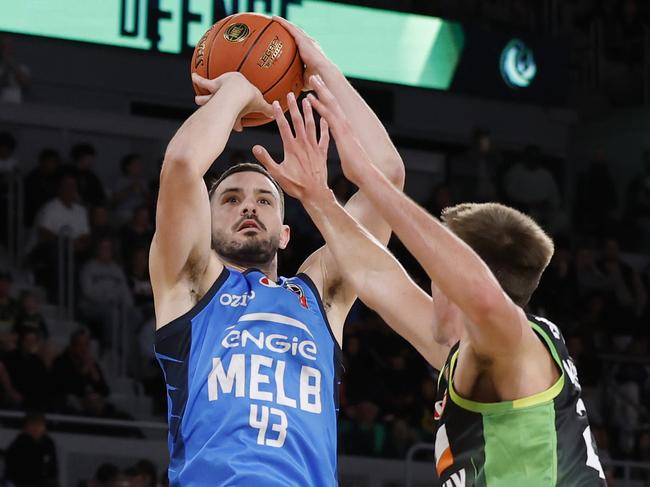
207, 69
283, 74
254, 44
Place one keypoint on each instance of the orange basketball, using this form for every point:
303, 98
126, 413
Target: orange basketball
260, 49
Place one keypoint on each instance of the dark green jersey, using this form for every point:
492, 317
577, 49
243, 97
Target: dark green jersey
539, 441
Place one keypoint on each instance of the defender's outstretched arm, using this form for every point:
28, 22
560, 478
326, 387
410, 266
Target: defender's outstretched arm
496, 324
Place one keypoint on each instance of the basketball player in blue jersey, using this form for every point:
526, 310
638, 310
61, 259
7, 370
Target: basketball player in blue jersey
508, 411
250, 359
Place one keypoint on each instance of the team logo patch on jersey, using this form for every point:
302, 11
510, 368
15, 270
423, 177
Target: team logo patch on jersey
265, 281
297, 290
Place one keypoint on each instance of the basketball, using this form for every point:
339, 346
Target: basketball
260, 49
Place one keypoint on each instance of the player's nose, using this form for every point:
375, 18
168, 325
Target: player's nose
248, 207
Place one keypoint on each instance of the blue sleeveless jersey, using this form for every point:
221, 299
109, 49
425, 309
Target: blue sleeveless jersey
252, 375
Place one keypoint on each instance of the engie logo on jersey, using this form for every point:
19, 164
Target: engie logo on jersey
271, 359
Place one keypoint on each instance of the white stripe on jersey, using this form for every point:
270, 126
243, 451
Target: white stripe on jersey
275, 318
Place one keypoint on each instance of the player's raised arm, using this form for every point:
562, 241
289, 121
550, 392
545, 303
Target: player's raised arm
363, 121
365, 125
496, 325
181, 247
367, 266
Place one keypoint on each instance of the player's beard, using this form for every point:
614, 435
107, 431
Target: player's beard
252, 251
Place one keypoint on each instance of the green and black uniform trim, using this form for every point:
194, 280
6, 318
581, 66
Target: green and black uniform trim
539, 441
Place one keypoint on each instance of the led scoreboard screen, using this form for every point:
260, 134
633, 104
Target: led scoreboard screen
366, 43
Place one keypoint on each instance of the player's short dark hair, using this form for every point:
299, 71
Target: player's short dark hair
247, 167
81, 150
513, 246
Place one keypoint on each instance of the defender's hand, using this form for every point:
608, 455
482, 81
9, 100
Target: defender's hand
354, 159
310, 51
239, 86
303, 173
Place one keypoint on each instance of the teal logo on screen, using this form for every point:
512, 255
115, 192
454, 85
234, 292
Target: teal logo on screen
518, 66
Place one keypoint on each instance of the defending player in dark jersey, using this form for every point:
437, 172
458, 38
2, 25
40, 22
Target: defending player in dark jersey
250, 358
509, 411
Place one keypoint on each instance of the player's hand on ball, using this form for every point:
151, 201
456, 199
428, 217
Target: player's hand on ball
303, 173
354, 159
310, 51
240, 86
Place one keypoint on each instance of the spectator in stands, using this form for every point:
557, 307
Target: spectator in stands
95, 405
401, 385
643, 447
627, 42
91, 189
531, 188
361, 380
64, 213
137, 233
589, 276
75, 373
61, 216
131, 191
557, 294
596, 201
28, 371
594, 320
14, 77
8, 314
473, 175
10, 398
8, 160
145, 474
31, 457
100, 224
8, 167
629, 293
103, 287
139, 282
426, 404
41, 183
364, 435
29, 316
638, 204
105, 476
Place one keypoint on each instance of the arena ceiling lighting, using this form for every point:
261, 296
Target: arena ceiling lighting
372, 44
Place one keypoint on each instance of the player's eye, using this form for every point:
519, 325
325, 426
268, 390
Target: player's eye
264, 201
232, 199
